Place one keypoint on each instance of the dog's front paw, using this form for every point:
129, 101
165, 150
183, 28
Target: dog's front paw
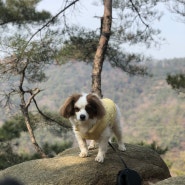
99, 158
83, 154
122, 147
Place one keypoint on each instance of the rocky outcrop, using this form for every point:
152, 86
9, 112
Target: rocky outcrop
69, 168
180, 180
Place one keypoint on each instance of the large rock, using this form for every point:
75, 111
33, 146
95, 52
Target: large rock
173, 181
69, 168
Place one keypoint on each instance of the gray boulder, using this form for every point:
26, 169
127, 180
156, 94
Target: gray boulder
69, 168
173, 181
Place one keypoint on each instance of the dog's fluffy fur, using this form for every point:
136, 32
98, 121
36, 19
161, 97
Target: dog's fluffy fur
83, 111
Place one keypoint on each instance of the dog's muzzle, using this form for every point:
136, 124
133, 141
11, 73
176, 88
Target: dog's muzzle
82, 117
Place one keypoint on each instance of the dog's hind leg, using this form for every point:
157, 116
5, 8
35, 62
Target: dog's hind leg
118, 131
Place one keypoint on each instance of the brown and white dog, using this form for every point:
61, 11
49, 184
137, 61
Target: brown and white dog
93, 119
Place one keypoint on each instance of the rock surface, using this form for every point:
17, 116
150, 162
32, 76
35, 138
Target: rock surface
69, 168
180, 180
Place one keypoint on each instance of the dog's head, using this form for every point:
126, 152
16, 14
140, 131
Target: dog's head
83, 107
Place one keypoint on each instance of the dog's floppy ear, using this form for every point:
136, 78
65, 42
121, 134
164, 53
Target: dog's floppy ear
67, 109
96, 105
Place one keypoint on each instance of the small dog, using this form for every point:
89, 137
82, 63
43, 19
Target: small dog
93, 119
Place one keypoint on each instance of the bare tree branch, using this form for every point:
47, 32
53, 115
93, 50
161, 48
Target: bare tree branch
48, 118
22, 78
33, 94
137, 11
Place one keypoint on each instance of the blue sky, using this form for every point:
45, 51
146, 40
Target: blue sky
172, 30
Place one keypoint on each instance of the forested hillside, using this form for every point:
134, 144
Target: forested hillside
151, 110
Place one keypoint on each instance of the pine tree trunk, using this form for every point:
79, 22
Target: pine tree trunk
31, 133
106, 22
24, 109
32, 137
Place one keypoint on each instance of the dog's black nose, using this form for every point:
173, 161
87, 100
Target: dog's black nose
82, 117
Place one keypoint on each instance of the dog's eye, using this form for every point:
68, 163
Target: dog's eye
77, 109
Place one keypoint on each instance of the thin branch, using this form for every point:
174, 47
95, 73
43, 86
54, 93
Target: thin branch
48, 118
137, 11
22, 78
6, 98
33, 94
47, 24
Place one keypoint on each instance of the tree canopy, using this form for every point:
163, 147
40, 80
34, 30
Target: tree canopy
19, 12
